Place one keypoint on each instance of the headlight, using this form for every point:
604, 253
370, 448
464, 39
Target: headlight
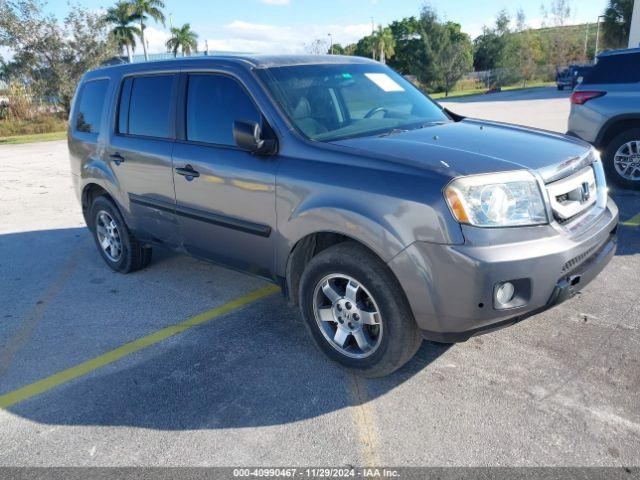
497, 200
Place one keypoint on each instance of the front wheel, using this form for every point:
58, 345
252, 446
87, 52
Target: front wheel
356, 311
622, 159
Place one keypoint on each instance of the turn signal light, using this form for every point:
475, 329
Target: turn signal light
456, 206
579, 98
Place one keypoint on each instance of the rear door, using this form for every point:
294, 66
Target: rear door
226, 209
140, 152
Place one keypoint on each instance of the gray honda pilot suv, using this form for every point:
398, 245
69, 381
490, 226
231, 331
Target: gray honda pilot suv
384, 217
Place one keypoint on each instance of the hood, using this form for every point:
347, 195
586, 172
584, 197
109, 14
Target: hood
474, 146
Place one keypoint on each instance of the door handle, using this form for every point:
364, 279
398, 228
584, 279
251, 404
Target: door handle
188, 172
117, 158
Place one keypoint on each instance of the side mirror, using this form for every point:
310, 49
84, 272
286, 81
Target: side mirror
248, 137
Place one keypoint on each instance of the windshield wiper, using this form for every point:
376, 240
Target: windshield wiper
430, 124
415, 126
393, 131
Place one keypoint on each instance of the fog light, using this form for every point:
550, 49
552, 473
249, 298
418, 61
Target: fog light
504, 293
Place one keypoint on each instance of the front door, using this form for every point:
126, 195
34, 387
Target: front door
225, 197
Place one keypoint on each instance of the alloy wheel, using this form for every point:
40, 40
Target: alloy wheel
109, 236
627, 160
347, 316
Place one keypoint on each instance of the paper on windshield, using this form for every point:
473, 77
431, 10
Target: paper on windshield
384, 81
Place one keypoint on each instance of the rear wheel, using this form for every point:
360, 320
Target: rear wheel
356, 312
622, 159
120, 250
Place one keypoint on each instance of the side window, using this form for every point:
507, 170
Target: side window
214, 102
622, 68
90, 106
145, 106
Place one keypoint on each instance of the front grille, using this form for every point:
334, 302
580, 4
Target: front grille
573, 196
562, 221
577, 260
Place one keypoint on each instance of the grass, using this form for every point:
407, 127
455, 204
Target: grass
34, 137
38, 129
481, 91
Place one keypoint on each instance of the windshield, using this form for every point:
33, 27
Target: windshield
331, 102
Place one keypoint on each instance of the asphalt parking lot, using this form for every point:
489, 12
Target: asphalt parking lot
240, 384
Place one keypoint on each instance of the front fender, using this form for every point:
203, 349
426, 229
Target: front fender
353, 221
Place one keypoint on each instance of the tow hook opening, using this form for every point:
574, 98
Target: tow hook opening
575, 280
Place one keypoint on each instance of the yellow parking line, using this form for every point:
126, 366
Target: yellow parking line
633, 221
34, 317
89, 366
364, 420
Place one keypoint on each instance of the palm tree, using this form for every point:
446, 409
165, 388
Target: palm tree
143, 9
184, 39
384, 44
123, 33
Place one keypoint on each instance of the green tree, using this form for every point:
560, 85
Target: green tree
336, 49
365, 47
409, 48
432, 37
448, 52
124, 34
617, 23
498, 51
486, 48
50, 56
183, 39
454, 58
384, 44
490, 47
143, 10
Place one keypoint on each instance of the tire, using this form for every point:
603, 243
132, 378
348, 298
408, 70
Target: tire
609, 159
128, 254
390, 342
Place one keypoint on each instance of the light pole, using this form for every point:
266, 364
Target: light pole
595, 53
373, 31
330, 44
586, 41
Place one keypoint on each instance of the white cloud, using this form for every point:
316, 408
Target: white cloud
276, 2
156, 39
241, 36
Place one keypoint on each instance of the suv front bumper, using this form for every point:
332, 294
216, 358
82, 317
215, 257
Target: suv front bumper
450, 288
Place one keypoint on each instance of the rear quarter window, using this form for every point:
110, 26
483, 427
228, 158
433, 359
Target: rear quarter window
623, 68
90, 106
146, 106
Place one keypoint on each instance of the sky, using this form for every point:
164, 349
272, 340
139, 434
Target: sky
290, 26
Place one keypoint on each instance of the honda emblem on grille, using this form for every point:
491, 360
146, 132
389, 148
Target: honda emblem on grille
585, 193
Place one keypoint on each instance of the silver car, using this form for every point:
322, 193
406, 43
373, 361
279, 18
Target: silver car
605, 111
385, 218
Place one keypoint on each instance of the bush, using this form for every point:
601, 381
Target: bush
42, 124
20, 105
